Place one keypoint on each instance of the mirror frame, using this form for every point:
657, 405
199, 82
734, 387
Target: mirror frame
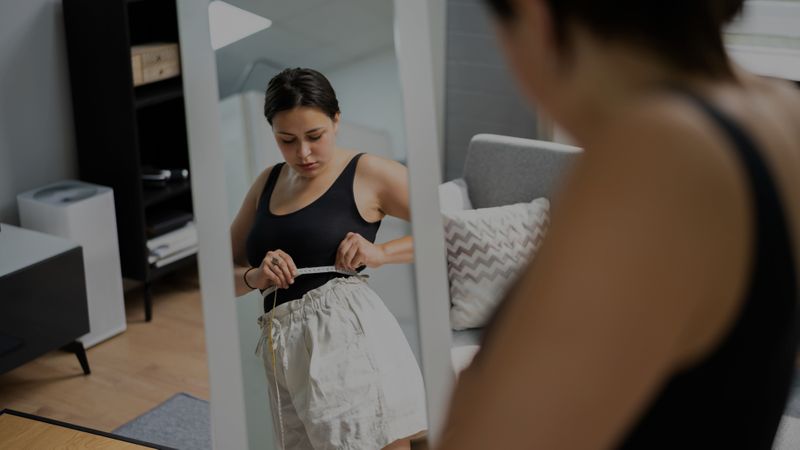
201, 96
413, 46
201, 102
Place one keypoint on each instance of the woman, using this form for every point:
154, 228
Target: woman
661, 310
340, 370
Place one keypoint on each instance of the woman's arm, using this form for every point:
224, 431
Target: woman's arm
398, 251
386, 181
641, 273
240, 227
392, 189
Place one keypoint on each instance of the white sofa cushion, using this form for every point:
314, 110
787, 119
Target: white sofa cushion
788, 434
454, 196
486, 249
462, 356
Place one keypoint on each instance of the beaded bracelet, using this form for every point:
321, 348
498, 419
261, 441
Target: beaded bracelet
244, 277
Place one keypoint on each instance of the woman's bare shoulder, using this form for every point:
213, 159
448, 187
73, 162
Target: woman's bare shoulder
659, 132
374, 165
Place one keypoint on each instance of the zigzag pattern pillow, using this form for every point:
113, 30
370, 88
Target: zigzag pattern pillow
486, 249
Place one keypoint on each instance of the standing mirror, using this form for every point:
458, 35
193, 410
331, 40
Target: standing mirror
338, 356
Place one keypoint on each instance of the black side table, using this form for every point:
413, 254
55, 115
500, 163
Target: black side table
43, 303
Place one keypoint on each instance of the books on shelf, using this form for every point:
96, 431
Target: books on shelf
174, 257
173, 245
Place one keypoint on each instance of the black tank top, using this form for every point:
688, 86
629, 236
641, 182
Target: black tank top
734, 398
310, 235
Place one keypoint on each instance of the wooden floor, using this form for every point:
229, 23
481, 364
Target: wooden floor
131, 372
25, 432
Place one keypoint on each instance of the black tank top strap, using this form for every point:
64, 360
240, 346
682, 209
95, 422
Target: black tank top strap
269, 185
350, 170
741, 142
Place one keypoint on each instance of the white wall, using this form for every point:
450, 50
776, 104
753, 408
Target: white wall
369, 94
37, 142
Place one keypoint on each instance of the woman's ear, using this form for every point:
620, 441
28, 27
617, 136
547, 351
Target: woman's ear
535, 20
336, 122
528, 39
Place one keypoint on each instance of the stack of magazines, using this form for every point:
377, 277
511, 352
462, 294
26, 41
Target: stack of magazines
172, 246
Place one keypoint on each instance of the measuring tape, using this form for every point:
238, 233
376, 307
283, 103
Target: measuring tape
270, 290
312, 270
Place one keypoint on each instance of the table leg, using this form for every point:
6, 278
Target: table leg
148, 302
77, 348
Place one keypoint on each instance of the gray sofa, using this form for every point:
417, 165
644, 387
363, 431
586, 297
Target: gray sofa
502, 170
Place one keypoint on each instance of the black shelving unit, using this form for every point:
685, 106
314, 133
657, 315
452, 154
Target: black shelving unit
120, 128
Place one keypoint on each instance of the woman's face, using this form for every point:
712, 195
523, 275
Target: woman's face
306, 137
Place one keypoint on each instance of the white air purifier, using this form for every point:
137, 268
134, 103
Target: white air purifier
84, 213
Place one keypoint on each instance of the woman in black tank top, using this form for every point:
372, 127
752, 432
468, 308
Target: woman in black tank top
303, 212
313, 211
299, 235
661, 311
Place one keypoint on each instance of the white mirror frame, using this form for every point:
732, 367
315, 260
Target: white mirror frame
199, 72
413, 46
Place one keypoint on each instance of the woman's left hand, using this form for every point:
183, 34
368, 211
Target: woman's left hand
356, 251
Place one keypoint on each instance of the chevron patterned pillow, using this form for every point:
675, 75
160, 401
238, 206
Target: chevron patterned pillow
486, 249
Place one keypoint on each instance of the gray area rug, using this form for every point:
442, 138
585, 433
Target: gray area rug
181, 422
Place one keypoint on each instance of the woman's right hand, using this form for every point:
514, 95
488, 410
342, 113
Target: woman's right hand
281, 274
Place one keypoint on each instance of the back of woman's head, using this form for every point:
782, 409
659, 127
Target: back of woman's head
686, 33
299, 87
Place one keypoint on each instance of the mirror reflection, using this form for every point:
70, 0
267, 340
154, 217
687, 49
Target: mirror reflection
312, 132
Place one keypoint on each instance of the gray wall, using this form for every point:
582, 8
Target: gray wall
481, 95
37, 143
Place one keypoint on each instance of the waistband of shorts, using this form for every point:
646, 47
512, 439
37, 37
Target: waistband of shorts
313, 299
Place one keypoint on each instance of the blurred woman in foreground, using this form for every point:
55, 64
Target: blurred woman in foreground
661, 310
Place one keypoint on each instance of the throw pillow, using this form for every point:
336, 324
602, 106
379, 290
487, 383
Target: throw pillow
486, 249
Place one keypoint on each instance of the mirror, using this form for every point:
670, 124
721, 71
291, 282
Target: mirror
332, 338
234, 424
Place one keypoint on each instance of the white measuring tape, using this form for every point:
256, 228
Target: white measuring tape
311, 270
270, 290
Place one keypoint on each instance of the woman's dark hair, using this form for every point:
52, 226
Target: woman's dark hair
299, 87
687, 33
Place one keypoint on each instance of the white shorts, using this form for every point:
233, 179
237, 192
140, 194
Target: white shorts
344, 371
